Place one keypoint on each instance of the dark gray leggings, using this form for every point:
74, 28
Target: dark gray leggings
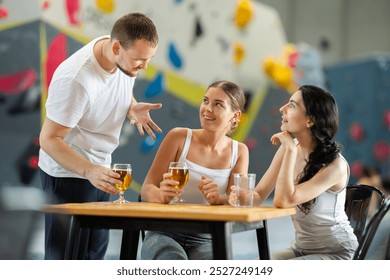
176, 246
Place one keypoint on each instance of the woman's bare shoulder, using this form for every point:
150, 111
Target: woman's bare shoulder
177, 132
339, 170
242, 147
341, 163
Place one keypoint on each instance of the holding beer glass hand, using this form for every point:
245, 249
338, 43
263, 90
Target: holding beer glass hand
179, 173
124, 170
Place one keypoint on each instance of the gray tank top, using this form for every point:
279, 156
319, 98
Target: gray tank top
325, 226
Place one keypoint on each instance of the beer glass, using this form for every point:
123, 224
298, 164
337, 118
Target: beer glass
124, 170
179, 172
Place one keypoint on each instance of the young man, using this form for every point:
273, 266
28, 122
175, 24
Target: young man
90, 95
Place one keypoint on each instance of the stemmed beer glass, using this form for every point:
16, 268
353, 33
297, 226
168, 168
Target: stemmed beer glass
179, 172
124, 170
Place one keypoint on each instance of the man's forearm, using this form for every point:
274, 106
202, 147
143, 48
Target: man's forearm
65, 156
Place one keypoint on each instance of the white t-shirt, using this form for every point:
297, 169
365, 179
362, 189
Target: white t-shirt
93, 103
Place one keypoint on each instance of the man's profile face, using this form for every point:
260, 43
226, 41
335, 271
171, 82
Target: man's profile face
136, 58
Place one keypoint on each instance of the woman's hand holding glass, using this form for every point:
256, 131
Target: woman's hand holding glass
167, 188
233, 197
179, 173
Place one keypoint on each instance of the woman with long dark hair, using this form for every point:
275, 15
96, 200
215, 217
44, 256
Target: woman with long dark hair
308, 172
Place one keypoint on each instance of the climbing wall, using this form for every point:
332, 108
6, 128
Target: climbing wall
20, 92
199, 43
362, 90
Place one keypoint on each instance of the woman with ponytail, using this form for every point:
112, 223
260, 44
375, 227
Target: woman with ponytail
212, 157
308, 172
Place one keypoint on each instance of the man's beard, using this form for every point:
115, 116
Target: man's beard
125, 71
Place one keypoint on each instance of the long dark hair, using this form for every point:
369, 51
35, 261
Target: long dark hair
322, 108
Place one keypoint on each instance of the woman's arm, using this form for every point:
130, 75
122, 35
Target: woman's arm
267, 182
332, 176
169, 150
242, 163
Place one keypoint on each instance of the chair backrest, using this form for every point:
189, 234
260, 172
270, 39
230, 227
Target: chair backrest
372, 228
357, 204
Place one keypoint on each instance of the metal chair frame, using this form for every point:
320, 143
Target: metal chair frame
372, 228
357, 204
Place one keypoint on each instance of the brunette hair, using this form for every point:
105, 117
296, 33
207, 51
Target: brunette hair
132, 27
321, 107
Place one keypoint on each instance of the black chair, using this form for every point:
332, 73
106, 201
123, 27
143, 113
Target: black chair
372, 228
357, 204
387, 255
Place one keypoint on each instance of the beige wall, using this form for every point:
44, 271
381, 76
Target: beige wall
353, 28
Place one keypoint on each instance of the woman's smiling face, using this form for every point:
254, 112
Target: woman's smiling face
215, 112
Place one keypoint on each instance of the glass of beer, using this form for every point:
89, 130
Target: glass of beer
179, 171
124, 170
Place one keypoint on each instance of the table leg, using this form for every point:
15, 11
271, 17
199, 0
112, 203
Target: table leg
129, 246
222, 240
262, 242
83, 242
72, 242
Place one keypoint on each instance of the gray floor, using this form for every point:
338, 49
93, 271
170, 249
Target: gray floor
280, 233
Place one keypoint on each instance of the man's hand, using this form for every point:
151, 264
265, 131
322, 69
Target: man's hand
139, 115
103, 178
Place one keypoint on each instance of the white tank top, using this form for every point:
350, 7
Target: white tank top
325, 226
191, 193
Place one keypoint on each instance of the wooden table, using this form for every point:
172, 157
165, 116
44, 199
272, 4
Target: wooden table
218, 220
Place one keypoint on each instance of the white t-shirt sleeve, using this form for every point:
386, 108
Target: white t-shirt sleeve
67, 102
